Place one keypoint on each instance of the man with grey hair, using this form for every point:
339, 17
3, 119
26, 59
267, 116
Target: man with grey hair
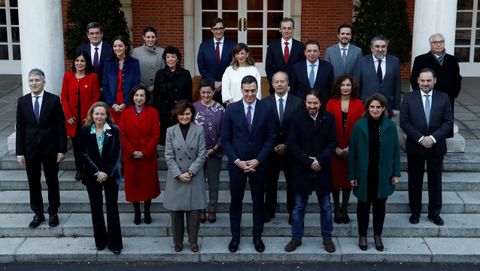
445, 67
41, 139
380, 72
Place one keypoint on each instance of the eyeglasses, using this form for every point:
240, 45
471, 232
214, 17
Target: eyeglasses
438, 42
218, 28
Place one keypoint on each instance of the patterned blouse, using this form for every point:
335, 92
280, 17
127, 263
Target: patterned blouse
210, 117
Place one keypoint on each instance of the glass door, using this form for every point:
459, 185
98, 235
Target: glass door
467, 37
9, 38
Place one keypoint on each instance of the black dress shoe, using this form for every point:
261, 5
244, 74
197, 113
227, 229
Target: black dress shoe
37, 220
116, 251
78, 176
362, 243
234, 243
378, 242
414, 218
53, 220
101, 247
258, 243
268, 218
436, 219
292, 245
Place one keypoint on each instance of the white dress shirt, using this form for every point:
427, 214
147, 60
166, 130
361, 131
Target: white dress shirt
383, 64
220, 45
92, 51
40, 99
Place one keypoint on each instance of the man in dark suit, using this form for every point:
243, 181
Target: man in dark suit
248, 136
313, 73
41, 139
380, 72
97, 49
343, 56
214, 56
283, 106
445, 67
426, 118
282, 54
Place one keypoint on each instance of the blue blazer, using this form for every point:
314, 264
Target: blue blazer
131, 77
333, 55
368, 83
106, 53
239, 142
275, 62
299, 83
414, 123
207, 61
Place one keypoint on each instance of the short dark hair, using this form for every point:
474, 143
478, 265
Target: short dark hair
427, 70
377, 97
124, 40
88, 62
206, 83
94, 25
286, 20
172, 50
137, 88
379, 37
315, 93
248, 80
149, 29
344, 25
309, 42
181, 106
338, 83
215, 21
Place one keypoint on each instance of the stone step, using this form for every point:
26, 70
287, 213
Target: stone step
17, 180
74, 201
396, 225
214, 249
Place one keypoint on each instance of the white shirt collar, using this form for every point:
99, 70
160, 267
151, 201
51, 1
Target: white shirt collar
341, 47
39, 95
316, 63
284, 97
221, 41
106, 127
99, 46
289, 41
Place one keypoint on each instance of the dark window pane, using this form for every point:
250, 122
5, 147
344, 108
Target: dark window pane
274, 19
230, 19
14, 16
16, 52
2, 3
3, 34
232, 35
478, 18
255, 4
462, 54
464, 19
229, 4
465, 4
254, 37
15, 34
13, 3
207, 17
3, 52
256, 53
275, 4
255, 19
206, 34
476, 57
3, 17
209, 4
462, 37
273, 35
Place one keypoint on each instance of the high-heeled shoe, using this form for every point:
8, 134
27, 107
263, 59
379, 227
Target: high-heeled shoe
362, 243
137, 219
378, 242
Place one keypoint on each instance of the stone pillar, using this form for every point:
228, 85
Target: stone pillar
41, 33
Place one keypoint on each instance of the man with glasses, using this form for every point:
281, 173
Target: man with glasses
445, 67
214, 56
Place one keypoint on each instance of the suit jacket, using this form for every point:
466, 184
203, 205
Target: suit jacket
414, 123
106, 53
275, 62
239, 142
47, 136
131, 77
333, 55
299, 83
182, 155
312, 138
93, 162
368, 83
207, 61
292, 105
448, 75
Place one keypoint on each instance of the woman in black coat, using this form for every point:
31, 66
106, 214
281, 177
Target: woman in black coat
172, 84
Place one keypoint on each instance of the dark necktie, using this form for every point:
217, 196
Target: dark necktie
286, 53
280, 109
95, 60
36, 108
379, 71
217, 52
344, 54
311, 75
249, 117
427, 108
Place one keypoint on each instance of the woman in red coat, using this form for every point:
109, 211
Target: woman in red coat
347, 109
80, 90
139, 133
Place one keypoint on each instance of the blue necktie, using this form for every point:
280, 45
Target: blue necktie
249, 117
427, 108
36, 108
344, 54
280, 109
311, 75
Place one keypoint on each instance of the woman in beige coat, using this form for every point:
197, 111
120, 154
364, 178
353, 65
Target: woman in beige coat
185, 187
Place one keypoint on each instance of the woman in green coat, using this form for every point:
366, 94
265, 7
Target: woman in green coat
373, 166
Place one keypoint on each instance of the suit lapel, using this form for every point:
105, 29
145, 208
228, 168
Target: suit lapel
419, 104
179, 137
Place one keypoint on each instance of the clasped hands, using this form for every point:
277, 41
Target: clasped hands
101, 177
247, 166
315, 166
185, 177
137, 154
342, 152
427, 142
118, 107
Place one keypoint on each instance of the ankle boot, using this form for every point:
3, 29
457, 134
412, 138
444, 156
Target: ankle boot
345, 199
147, 218
138, 216
337, 213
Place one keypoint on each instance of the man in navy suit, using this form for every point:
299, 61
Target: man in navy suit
380, 72
214, 56
283, 105
248, 136
426, 118
343, 56
41, 139
313, 73
282, 54
97, 49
